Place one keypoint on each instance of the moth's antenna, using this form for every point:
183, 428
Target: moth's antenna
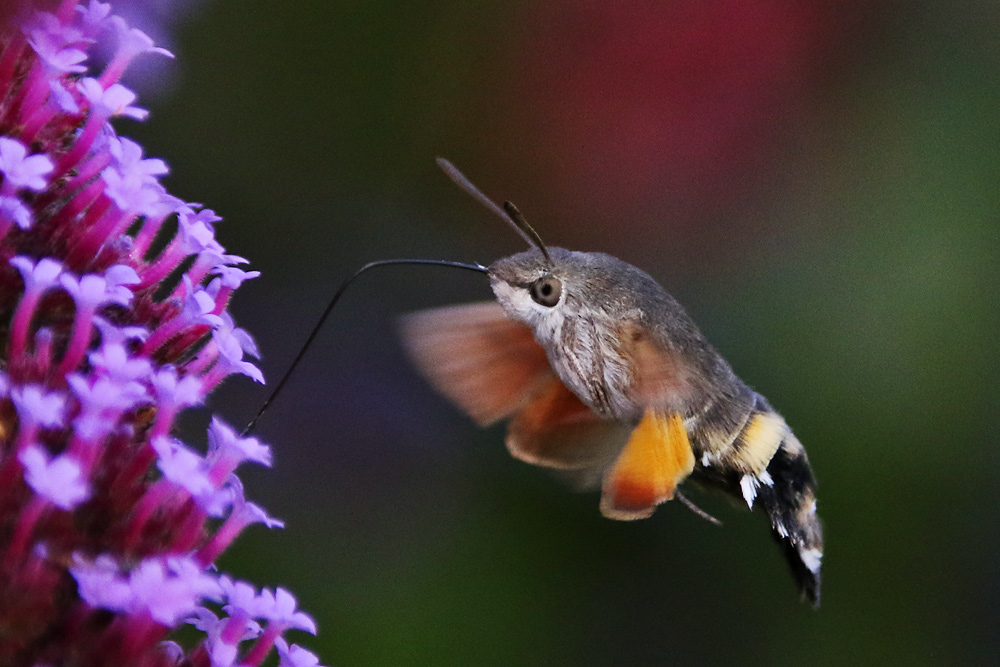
521, 223
326, 313
697, 510
509, 212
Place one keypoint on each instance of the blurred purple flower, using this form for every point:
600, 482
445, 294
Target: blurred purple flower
59, 480
110, 526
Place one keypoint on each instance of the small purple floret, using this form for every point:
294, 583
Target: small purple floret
91, 291
280, 607
113, 359
233, 277
93, 17
133, 42
100, 585
14, 210
294, 656
183, 467
175, 390
59, 480
21, 170
38, 406
225, 445
38, 276
115, 101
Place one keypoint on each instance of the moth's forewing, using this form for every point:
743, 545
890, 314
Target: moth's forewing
483, 361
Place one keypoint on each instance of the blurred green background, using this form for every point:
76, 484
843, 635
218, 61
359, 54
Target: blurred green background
816, 182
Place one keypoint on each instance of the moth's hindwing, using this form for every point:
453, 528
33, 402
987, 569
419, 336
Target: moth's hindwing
556, 430
656, 458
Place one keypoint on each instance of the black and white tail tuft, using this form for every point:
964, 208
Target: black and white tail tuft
790, 502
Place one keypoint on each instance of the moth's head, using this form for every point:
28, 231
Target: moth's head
528, 285
542, 292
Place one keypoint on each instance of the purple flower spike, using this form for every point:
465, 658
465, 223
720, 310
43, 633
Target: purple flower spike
100, 357
60, 480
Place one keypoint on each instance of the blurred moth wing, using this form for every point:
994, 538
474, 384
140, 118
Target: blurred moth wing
556, 430
473, 354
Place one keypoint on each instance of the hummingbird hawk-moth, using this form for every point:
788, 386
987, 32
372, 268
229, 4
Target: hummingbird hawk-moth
603, 376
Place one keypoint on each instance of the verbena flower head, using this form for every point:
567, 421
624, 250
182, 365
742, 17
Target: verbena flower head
112, 324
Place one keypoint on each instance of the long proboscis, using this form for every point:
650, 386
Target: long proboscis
248, 429
508, 212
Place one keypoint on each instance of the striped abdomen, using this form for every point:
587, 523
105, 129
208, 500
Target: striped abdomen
742, 445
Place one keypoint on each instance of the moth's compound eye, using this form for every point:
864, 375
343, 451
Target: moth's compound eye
546, 291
